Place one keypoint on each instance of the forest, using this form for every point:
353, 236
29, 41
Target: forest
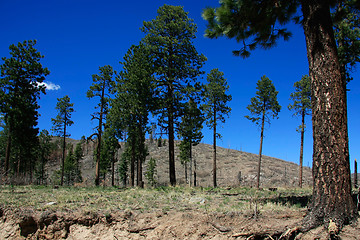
159, 78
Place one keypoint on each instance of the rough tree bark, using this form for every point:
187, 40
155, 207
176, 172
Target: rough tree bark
331, 168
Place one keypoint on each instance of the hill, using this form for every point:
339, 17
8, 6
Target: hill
235, 168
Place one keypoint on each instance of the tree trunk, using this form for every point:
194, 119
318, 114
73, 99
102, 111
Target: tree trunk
194, 160
141, 156
63, 153
132, 164
190, 163
214, 149
98, 153
260, 150
355, 175
171, 138
7, 153
113, 171
301, 148
331, 198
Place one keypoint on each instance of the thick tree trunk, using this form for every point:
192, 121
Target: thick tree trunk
260, 150
301, 148
214, 150
331, 168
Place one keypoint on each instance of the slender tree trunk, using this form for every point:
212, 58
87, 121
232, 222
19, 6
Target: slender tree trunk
132, 164
190, 167
63, 153
113, 171
7, 153
194, 160
141, 156
331, 198
98, 153
301, 149
355, 175
260, 150
214, 149
171, 138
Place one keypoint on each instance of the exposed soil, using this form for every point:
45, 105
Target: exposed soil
30, 224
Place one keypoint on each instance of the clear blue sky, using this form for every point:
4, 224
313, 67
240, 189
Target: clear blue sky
78, 36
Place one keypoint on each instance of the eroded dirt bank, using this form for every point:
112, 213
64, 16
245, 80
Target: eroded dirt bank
30, 224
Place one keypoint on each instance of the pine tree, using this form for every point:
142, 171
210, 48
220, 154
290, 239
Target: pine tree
176, 64
190, 132
44, 150
108, 152
347, 35
215, 107
60, 124
263, 23
263, 107
133, 103
20, 87
102, 86
302, 107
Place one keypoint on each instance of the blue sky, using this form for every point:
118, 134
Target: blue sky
78, 36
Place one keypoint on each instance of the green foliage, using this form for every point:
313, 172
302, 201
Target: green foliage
264, 105
151, 172
20, 86
191, 123
72, 172
175, 60
216, 99
123, 166
259, 22
184, 148
63, 119
46, 146
347, 35
60, 124
102, 86
301, 98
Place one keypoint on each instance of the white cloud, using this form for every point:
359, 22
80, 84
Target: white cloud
51, 86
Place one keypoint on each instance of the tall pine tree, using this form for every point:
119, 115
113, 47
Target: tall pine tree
102, 86
190, 132
215, 107
263, 107
60, 124
302, 107
20, 87
133, 103
176, 64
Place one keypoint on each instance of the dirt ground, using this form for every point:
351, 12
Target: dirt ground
28, 224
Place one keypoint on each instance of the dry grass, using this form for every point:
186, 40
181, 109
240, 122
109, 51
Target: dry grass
92, 199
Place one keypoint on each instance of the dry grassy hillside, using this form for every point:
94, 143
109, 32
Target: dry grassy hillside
235, 168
